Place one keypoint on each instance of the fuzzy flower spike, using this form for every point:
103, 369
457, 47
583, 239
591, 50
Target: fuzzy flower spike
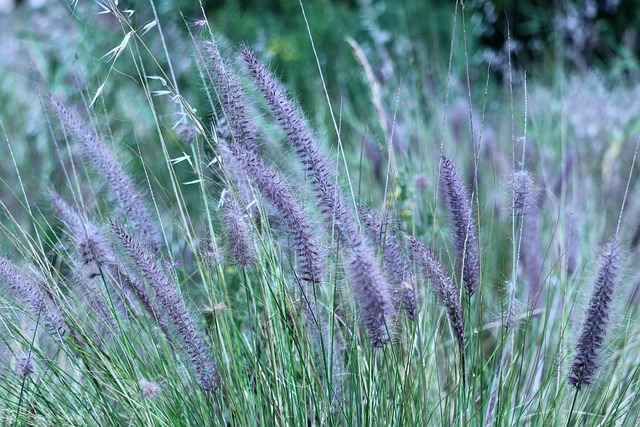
595, 325
458, 204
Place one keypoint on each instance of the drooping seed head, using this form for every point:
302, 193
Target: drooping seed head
443, 287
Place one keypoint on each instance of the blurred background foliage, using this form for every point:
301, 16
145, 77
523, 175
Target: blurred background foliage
385, 65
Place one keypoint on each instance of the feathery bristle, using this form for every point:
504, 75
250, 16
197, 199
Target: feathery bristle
458, 205
396, 266
443, 286
38, 301
596, 323
108, 167
165, 292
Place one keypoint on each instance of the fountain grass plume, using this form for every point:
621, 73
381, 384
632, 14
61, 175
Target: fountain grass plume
110, 170
242, 151
596, 322
89, 282
100, 261
231, 97
37, 299
458, 205
396, 266
238, 232
318, 167
276, 191
369, 285
167, 295
521, 185
371, 291
443, 287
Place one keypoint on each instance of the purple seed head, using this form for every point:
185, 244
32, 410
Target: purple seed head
458, 205
25, 365
38, 301
238, 232
369, 285
110, 170
275, 190
396, 266
596, 322
318, 167
370, 290
148, 389
232, 101
167, 295
443, 287
521, 187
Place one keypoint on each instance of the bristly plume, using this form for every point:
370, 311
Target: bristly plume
25, 365
597, 320
238, 232
511, 310
531, 253
89, 281
231, 97
148, 388
396, 266
371, 291
165, 292
368, 283
108, 167
317, 166
274, 189
38, 301
443, 286
521, 187
465, 233
99, 258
